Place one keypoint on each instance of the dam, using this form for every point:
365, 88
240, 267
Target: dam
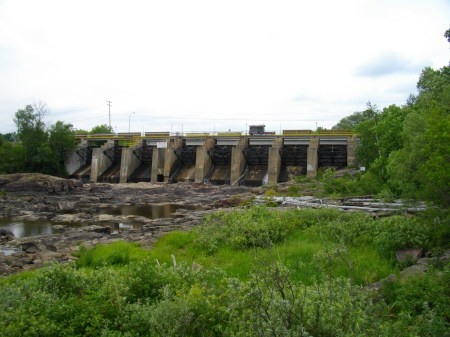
259, 158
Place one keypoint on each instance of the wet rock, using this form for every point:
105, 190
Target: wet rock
6, 235
30, 247
99, 229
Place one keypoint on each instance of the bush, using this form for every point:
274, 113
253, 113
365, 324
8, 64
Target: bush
398, 232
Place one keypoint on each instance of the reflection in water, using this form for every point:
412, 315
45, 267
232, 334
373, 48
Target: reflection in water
8, 250
149, 211
25, 229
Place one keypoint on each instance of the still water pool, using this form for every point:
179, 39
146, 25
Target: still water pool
154, 211
22, 229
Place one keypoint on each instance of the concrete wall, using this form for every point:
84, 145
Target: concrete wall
203, 161
170, 157
312, 157
100, 161
158, 160
352, 143
238, 160
129, 162
274, 165
73, 161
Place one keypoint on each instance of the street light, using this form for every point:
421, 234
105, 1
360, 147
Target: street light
129, 118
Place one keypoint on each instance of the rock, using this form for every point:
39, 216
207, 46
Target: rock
72, 218
6, 235
30, 247
99, 229
412, 253
66, 206
412, 271
106, 218
59, 227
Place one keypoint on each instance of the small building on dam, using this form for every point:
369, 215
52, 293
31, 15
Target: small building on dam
259, 158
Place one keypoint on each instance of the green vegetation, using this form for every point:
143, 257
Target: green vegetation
252, 272
102, 128
406, 149
41, 148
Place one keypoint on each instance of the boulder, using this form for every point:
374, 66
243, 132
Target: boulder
30, 247
6, 235
412, 271
411, 253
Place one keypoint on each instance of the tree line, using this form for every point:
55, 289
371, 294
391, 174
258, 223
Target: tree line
37, 146
406, 149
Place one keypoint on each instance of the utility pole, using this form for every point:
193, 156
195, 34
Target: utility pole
109, 111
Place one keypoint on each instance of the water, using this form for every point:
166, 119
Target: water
26, 229
154, 211
265, 179
22, 229
8, 250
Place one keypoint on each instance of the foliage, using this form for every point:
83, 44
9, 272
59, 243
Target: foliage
419, 306
365, 183
118, 253
122, 290
379, 136
421, 168
103, 128
41, 149
350, 122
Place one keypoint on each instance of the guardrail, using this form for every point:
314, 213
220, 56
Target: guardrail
135, 136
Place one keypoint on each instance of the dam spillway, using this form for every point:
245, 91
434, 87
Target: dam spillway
253, 160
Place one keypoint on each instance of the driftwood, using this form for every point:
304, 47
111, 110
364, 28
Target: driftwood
361, 204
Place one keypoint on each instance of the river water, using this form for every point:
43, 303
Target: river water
22, 229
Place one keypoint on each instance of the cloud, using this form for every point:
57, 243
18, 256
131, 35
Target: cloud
389, 63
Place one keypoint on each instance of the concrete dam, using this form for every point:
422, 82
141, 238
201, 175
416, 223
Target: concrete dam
227, 158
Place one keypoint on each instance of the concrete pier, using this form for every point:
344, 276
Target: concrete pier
203, 161
274, 165
312, 159
100, 161
351, 151
158, 160
238, 160
129, 162
75, 160
170, 157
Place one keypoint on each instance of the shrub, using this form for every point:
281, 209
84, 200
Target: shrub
399, 232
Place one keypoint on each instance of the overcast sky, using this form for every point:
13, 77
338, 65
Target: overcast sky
214, 65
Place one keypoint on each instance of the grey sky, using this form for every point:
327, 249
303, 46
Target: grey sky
214, 65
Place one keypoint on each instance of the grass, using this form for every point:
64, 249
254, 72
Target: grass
117, 253
309, 254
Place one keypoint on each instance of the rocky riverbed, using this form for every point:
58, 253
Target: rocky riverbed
84, 213
75, 210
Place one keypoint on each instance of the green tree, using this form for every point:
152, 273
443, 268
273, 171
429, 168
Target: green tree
354, 119
41, 149
103, 128
31, 132
421, 168
61, 139
379, 136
